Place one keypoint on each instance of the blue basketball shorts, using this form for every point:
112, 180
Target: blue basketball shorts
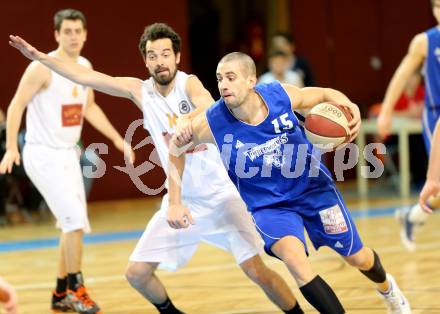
429, 120
321, 212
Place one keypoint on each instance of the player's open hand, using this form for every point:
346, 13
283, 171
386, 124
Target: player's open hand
11, 305
125, 148
11, 157
430, 189
179, 216
384, 125
183, 129
25, 48
355, 123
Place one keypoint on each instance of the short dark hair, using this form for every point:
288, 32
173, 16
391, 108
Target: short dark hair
68, 14
246, 62
158, 31
286, 35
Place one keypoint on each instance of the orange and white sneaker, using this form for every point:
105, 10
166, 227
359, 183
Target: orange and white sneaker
81, 302
60, 304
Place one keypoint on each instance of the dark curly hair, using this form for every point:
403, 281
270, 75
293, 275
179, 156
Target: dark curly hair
158, 31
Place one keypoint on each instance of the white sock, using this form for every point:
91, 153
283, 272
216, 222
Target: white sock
417, 215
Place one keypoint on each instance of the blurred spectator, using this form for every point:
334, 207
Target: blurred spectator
279, 70
284, 41
410, 105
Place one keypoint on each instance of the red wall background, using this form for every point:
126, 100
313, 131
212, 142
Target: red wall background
114, 30
339, 37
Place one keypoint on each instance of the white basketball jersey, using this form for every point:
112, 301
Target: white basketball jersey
204, 175
55, 115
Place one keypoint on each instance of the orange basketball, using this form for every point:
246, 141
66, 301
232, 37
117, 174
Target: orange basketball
327, 124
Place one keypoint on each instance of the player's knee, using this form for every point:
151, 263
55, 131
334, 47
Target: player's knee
362, 259
137, 274
259, 275
256, 271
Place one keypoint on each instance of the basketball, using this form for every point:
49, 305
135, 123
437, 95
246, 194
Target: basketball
327, 124
4, 296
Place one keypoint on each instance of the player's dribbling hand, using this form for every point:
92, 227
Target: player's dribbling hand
383, 125
11, 157
430, 189
125, 148
355, 123
179, 216
25, 48
11, 305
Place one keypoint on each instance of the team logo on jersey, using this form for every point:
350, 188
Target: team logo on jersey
74, 92
275, 158
172, 119
184, 107
271, 151
239, 144
71, 115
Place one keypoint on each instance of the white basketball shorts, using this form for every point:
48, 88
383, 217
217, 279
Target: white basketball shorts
228, 226
56, 173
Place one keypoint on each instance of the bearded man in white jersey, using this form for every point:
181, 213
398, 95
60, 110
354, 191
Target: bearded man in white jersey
56, 107
221, 215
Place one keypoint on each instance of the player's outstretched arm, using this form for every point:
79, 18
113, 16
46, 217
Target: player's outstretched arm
308, 97
412, 61
432, 184
97, 118
115, 86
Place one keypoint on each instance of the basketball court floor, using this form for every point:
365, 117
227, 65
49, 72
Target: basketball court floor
212, 283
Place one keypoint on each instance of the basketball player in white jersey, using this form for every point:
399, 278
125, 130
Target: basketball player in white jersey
56, 107
221, 215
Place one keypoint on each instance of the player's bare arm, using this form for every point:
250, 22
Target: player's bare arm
125, 87
308, 97
410, 64
178, 215
202, 100
431, 188
35, 78
97, 118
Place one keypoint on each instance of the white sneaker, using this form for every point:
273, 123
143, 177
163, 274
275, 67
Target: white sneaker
406, 228
394, 299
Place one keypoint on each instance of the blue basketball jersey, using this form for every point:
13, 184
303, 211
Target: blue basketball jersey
431, 112
432, 73
270, 163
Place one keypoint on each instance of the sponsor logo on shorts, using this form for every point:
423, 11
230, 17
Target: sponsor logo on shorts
338, 245
333, 220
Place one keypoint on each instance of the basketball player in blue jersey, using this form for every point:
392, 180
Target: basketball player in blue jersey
432, 184
222, 217
423, 52
263, 145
